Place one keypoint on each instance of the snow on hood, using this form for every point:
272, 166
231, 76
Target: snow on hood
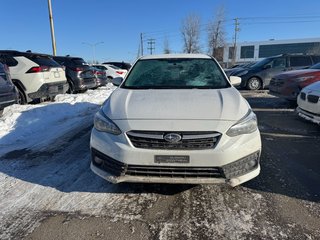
183, 104
296, 73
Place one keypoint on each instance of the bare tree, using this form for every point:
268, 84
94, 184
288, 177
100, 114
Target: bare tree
217, 34
190, 31
166, 47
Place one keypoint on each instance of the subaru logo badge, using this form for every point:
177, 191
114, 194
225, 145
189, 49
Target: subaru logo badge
172, 137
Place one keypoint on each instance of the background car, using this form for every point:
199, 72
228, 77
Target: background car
121, 65
238, 67
121, 72
37, 76
260, 74
309, 103
8, 92
289, 84
100, 75
111, 71
79, 74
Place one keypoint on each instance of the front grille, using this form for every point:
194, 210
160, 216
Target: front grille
189, 140
313, 98
117, 168
303, 96
174, 172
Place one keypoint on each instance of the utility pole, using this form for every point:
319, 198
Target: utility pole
53, 39
151, 43
236, 30
141, 43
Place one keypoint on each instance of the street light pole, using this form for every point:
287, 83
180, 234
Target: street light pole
53, 39
93, 45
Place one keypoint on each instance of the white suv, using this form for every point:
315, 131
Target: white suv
176, 119
36, 76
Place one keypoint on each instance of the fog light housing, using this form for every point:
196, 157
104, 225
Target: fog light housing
241, 166
97, 161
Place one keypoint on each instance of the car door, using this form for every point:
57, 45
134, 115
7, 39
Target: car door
275, 67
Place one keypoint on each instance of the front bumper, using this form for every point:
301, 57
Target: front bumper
50, 90
309, 116
169, 180
233, 161
288, 92
101, 81
86, 83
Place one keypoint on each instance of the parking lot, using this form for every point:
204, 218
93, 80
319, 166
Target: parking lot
52, 192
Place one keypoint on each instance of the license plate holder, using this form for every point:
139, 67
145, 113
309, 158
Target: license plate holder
181, 159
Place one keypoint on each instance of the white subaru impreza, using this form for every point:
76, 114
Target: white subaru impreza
176, 118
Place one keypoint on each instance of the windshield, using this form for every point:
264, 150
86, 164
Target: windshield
100, 67
316, 66
176, 74
262, 63
113, 66
44, 61
79, 61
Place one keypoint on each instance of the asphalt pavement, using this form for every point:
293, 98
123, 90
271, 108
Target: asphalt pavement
283, 202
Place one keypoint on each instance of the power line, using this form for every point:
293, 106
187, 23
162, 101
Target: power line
151, 44
160, 35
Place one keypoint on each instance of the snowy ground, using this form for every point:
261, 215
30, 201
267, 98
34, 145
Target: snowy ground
48, 191
36, 126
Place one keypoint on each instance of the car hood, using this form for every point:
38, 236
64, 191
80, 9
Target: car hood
236, 71
297, 73
182, 104
314, 87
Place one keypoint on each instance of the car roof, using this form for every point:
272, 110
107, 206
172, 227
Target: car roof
184, 55
18, 53
67, 57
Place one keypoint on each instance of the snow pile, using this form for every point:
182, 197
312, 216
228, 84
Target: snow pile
26, 126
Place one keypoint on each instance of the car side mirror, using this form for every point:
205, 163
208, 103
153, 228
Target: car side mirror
117, 81
235, 81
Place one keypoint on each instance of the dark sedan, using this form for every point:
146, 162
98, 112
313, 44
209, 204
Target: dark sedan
8, 92
100, 75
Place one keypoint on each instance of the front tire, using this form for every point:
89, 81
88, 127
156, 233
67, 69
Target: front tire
254, 83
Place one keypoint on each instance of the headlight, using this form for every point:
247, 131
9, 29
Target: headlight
103, 124
242, 73
248, 124
302, 79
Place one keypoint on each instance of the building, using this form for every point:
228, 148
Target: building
255, 51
